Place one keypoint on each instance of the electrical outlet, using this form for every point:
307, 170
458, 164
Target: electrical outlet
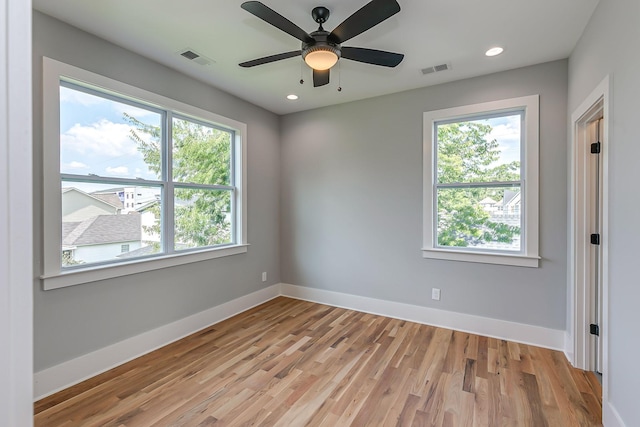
435, 294
264, 276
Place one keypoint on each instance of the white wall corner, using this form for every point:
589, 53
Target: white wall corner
66, 374
495, 328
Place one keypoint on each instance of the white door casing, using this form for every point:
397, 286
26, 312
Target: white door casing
582, 301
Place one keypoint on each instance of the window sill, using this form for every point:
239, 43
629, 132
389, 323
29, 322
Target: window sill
92, 274
482, 257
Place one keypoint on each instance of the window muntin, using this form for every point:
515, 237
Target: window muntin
138, 178
509, 190
478, 174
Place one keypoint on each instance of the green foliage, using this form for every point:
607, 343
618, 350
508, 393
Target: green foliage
149, 146
201, 155
203, 220
465, 154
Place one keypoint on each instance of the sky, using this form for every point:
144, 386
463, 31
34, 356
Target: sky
506, 130
95, 137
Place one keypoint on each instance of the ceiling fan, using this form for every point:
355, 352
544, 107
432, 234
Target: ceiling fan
321, 49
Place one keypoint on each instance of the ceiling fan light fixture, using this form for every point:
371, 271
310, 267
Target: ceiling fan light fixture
321, 57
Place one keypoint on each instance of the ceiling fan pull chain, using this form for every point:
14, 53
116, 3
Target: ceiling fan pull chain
301, 71
339, 77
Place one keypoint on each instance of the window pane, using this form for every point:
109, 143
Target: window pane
202, 217
201, 154
482, 218
100, 220
104, 137
482, 150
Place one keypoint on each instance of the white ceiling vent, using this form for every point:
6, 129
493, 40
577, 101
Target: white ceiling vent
194, 56
436, 68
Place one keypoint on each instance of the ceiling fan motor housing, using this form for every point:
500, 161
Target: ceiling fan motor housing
320, 42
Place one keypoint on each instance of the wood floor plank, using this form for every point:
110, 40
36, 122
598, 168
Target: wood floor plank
409, 410
481, 404
295, 363
434, 399
392, 412
482, 362
530, 385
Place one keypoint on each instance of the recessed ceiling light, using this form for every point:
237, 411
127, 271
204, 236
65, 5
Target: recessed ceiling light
494, 51
292, 97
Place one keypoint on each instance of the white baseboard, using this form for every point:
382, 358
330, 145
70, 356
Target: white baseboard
568, 347
610, 417
66, 374
502, 329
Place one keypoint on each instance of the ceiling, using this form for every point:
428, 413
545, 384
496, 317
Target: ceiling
428, 32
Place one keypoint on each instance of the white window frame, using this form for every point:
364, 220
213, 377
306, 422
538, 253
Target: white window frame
54, 276
528, 257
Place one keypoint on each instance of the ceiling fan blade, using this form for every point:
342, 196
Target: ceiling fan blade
274, 18
368, 16
320, 78
271, 58
372, 56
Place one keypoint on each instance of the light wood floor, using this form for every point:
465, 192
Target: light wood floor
295, 363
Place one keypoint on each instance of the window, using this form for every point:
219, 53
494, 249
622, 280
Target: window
481, 183
135, 181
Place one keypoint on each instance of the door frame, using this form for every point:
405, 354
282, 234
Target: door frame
580, 298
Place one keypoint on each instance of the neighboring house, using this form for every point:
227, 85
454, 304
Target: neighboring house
130, 198
488, 204
505, 211
511, 202
117, 192
101, 237
78, 205
142, 196
148, 219
509, 205
112, 199
102, 225
140, 252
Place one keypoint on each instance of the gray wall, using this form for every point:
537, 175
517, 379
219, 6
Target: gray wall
73, 321
352, 202
610, 45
